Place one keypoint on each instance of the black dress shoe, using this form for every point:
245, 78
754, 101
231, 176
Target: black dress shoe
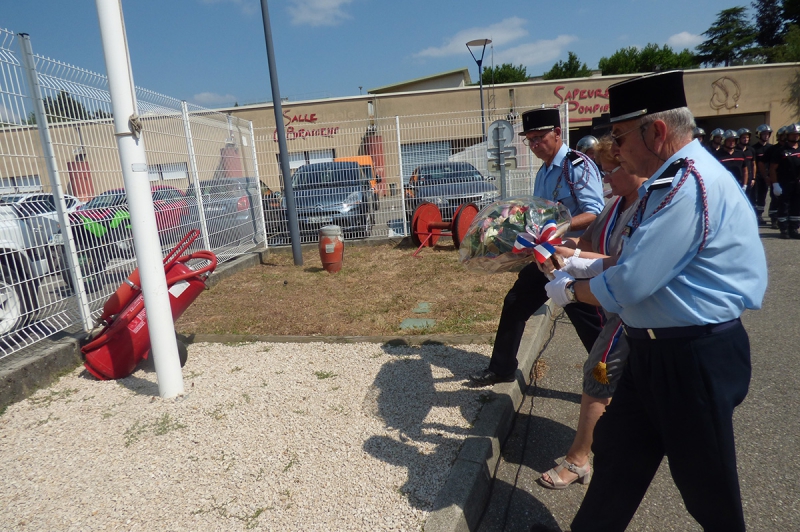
488, 378
784, 235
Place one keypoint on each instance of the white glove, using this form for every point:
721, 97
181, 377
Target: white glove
583, 268
557, 288
776, 189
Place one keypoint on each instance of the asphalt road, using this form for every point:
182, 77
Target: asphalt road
766, 424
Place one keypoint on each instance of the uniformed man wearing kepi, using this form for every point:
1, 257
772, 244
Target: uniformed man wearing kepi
692, 263
568, 177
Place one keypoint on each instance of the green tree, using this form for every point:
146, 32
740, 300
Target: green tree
63, 108
505, 73
571, 68
791, 12
768, 23
651, 58
730, 39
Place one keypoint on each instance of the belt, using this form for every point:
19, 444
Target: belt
680, 332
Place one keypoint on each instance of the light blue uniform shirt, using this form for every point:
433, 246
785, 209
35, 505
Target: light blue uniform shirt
661, 280
588, 188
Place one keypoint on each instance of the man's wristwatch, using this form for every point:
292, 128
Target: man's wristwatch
570, 289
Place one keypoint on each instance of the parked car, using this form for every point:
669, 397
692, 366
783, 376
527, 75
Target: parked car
102, 231
448, 185
330, 193
227, 206
23, 262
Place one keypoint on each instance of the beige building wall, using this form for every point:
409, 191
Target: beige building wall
719, 97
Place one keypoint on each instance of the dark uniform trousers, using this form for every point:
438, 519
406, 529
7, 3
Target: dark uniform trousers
675, 398
789, 206
525, 298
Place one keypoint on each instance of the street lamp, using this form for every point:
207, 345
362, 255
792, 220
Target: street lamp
482, 43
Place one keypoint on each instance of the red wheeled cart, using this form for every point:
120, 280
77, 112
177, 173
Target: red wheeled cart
427, 224
124, 341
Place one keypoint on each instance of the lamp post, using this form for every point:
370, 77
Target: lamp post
482, 43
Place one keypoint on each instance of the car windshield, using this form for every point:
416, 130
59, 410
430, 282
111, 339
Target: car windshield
448, 174
10, 199
326, 177
105, 200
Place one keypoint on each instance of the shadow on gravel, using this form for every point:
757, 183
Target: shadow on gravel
402, 395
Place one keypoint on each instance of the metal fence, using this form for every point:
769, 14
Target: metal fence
65, 237
402, 160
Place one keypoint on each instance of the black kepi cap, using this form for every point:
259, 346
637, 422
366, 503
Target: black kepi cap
601, 123
646, 95
540, 119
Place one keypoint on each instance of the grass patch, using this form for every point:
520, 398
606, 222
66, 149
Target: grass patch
158, 427
324, 374
51, 397
375, 291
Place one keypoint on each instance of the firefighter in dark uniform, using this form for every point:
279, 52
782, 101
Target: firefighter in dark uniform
749, 158
700, 135
760, 148
732, 158
785, 175
772, 156
715, 140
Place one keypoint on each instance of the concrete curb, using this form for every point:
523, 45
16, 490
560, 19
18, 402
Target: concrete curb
461, 501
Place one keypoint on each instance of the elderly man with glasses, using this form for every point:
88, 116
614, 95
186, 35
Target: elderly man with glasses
691, 263
572, 179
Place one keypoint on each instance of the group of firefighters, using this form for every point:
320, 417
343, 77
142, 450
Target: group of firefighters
762, 168
759, 168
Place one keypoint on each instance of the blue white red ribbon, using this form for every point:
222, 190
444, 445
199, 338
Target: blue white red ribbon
540, 240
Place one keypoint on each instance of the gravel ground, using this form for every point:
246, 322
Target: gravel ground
268, 437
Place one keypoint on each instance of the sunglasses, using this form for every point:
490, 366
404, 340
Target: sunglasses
616, 138
533, 141
607, 174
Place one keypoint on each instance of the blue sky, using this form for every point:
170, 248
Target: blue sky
212, 52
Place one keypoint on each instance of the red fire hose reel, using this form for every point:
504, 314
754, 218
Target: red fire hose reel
124, 340
427, 224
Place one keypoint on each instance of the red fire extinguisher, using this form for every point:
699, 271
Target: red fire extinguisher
124, 340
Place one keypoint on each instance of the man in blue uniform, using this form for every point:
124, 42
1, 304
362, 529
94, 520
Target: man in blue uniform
572, 179
692, 263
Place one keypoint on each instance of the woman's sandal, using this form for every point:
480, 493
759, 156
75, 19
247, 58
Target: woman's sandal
584, 475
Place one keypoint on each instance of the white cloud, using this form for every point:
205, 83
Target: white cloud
684, 39
248, 7
534, 53
212, 98
318, 12
8, 116
503, 32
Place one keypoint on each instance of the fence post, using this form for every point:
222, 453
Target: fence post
195, 177
263, 224
402, 182
133, 160
70, 251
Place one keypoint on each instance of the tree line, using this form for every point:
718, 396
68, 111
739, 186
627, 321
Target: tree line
769, 33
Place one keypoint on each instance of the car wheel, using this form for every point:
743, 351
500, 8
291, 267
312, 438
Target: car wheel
18, 300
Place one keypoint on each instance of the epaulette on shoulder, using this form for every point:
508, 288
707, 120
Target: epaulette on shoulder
665, 179
574, 158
